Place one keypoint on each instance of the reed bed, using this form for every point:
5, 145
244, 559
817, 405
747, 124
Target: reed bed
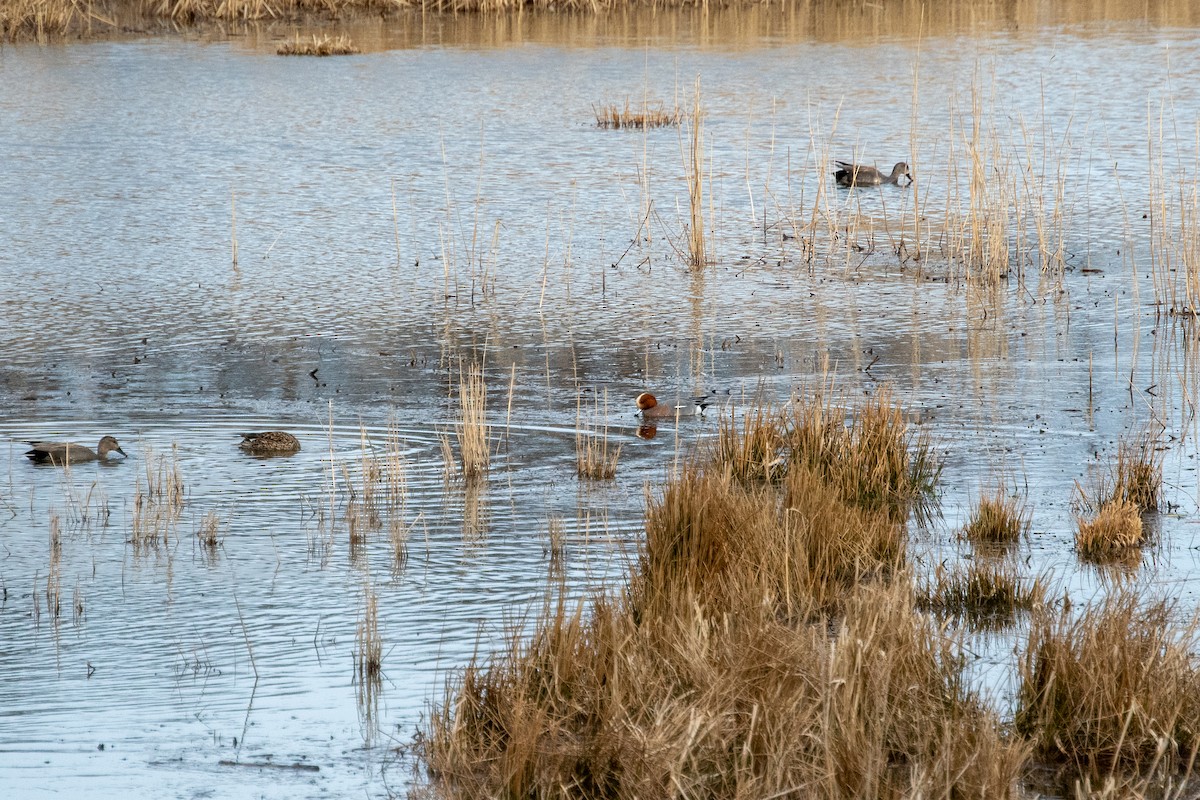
318, 45
657, 115
721, 672
1114, 688
999, 518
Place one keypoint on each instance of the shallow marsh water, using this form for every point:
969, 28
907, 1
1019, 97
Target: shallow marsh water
399, 212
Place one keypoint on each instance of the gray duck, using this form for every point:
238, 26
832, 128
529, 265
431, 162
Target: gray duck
849, 174
61, 453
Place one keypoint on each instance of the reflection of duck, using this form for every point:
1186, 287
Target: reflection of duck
647, 431
71, 453
269, 442
650, 408
849, 174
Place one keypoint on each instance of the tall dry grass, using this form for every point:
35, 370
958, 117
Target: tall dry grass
718, 672
999, 518
694, 164
1116, 687
595, 456
158, 499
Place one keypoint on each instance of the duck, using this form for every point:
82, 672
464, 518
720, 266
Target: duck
63, 453
850, 174
269, 442
649, 407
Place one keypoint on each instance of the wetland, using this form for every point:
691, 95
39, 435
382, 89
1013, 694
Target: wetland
440, 266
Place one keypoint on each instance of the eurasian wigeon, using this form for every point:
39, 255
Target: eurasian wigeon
849, 174
61, 453
650, 408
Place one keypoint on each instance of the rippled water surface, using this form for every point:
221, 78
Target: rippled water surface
397, 214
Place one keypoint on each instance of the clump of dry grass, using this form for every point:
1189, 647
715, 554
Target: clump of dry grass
611, 115
999, 518
39, 19
556, 547
472, 432
209, 532
1136, 477
1117, 687
987, 595
322, 45
158, 502
594, 458
866, 451
1112, 532
717, 674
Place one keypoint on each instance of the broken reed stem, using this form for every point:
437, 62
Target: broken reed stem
54, 574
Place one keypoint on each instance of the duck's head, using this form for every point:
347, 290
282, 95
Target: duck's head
109, 445
646, 401
901, 171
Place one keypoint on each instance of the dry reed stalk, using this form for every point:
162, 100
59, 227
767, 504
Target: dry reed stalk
694, 163
593, 457
398, 534
1115, 688
986, 595
472, 432
322, 45
54, 573
998, 518
1114, 531
368, 647
556, 544
657, 116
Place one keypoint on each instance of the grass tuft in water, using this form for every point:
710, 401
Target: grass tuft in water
209, 532
999, 518
1111, 533
1116, 687
322, 45
594, 458
986, 595
611, 115
368, 647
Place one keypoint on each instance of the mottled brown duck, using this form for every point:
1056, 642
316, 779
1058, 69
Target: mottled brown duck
70, 453
849, 174
269, 443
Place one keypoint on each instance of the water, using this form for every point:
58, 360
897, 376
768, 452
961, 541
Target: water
449, 199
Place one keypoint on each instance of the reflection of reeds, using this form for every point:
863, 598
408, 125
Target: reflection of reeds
985, 594
322, 45
472, 432
612, 115
1117, 687
594, 458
